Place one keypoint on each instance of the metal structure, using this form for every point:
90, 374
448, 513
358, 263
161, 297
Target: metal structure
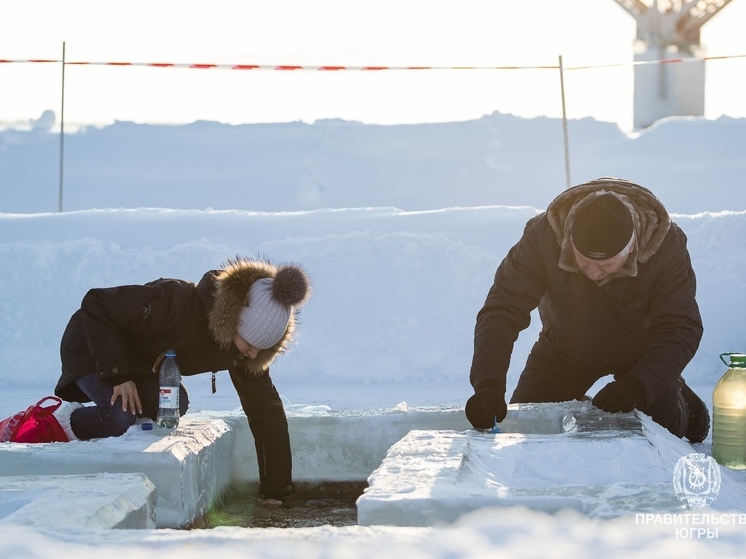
669, 30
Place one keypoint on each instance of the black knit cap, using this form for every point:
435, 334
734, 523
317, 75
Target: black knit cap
602, 227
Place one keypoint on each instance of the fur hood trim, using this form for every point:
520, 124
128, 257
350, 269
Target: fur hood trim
232, 285
651, 220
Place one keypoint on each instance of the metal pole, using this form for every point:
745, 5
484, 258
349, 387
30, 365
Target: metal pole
564, 124
62, 128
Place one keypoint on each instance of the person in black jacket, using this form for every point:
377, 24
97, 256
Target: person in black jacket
238, 318
612, 279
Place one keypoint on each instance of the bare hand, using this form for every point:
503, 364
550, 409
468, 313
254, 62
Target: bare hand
130, 397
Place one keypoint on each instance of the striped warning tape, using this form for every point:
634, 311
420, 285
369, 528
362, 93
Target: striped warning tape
280, 67
327, 68
30, 60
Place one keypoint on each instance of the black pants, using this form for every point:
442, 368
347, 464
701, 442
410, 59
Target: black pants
263, 407
551, 377
107, 420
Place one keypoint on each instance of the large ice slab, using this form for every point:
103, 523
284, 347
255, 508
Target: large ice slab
548, 457
189, 466
85, 501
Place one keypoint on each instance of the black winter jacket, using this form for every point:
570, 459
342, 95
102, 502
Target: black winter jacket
644, 318
119, 332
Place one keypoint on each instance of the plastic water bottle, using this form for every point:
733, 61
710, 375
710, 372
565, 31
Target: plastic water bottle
729, 414
169, 377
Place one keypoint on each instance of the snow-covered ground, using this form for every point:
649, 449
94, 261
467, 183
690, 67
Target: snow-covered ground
396, 291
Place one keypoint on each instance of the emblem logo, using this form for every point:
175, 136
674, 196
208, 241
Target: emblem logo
696, 480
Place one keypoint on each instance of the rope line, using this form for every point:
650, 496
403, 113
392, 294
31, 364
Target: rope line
333, 68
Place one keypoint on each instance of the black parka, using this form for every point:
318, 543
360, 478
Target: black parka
119, 332
643, 319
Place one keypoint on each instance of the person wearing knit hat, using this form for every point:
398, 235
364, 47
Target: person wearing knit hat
237, 318
602, 235
602, 227
611, 277
263, 321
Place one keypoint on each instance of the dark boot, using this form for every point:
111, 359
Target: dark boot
699, 417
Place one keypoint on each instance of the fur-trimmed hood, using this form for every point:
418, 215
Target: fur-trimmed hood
651, 220
230, 287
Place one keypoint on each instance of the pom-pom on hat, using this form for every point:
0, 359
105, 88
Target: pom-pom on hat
270, 304
602, 228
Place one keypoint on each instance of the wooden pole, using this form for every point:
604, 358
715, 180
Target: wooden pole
564, 124
62, 129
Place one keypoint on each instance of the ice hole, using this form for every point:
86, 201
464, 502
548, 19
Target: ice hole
311, 505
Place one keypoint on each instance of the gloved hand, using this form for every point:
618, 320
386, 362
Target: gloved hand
486, 406
619, 395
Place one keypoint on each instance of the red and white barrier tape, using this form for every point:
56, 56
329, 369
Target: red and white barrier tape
281, 67
361, 68
31, 60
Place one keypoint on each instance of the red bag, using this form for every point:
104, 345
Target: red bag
35, 425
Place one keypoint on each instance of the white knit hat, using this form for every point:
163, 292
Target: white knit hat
270, 304
264, 321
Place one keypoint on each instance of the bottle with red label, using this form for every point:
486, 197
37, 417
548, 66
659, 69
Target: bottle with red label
169, 376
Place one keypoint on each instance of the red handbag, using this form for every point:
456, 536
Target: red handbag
36, 424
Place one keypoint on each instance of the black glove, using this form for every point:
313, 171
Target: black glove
486, 406
619, 395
